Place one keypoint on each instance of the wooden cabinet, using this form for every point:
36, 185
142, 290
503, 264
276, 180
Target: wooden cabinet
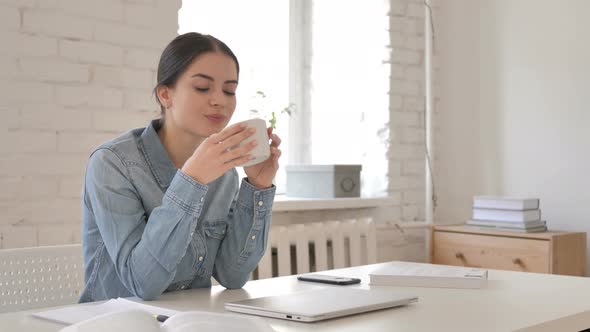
548, 252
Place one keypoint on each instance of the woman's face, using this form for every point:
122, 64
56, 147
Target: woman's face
204, 97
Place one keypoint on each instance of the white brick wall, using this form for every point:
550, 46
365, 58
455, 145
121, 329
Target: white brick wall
49, 23
54, 117
73, 74
9, 19
89, 96
23, 45
48, 70
407, 140
90, 52
136, 58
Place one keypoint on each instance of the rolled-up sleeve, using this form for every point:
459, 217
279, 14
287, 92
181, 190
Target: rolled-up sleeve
247, 236
145, 251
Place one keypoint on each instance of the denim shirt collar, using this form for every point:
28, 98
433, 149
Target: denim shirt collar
156, 155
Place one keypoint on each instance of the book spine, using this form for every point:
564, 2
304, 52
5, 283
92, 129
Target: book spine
520, 225
506, 204
505, 215
509, 229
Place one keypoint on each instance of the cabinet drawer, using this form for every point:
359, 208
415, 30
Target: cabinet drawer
493, 252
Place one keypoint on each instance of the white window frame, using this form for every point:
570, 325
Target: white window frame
300, 53
300, 84
300, 43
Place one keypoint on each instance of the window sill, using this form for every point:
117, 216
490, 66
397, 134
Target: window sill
284, 203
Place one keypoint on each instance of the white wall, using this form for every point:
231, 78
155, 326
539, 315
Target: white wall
406, 124
515, 106
73, 73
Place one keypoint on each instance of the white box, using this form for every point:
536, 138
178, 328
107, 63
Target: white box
323, 181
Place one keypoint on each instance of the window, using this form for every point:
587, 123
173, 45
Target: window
349, 87
326, 57
261, 44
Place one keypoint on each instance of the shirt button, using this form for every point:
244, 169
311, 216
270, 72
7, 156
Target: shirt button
253, 237
200, 258
260, 203
202, 199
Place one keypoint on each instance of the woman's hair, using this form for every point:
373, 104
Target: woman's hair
180, 53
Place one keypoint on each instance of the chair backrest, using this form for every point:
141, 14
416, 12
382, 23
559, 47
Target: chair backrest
318, 246
40, 277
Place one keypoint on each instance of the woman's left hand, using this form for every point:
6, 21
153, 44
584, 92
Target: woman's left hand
261, 175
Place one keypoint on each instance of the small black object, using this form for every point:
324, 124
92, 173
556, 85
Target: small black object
328, 279
161, 318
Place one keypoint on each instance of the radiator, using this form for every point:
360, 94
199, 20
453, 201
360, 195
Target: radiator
312, 247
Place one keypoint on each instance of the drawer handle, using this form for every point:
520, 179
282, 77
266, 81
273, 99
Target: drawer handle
518, 261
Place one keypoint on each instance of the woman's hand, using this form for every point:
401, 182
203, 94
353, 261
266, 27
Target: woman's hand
218, 154
261, 175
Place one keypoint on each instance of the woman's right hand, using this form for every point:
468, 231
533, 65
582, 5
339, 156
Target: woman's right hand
218, 154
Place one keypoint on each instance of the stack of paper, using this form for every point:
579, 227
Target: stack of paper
427, 275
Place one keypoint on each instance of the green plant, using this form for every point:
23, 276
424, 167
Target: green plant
260, 97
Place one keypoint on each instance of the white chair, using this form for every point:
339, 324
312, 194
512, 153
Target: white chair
318, 246
40, 277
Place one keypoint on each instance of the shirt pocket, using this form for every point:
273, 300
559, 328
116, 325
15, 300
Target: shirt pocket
214, 233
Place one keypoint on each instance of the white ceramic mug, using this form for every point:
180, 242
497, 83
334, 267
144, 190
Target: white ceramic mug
262, 151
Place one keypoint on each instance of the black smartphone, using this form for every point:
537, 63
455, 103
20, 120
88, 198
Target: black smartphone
327, 279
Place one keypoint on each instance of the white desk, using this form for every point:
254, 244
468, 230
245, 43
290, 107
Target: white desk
511, 301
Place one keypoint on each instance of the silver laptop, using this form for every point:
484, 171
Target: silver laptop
320, 304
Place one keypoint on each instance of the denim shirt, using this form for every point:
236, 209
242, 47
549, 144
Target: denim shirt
149, 228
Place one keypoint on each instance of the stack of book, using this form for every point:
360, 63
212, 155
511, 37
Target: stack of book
507, 213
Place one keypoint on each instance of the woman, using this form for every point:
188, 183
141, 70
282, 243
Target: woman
163, 209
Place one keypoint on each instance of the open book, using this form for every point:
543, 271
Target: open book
142, 321
81, 312
124, 315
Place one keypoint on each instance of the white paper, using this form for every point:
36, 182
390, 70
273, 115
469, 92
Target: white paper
425, 270
78, 313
